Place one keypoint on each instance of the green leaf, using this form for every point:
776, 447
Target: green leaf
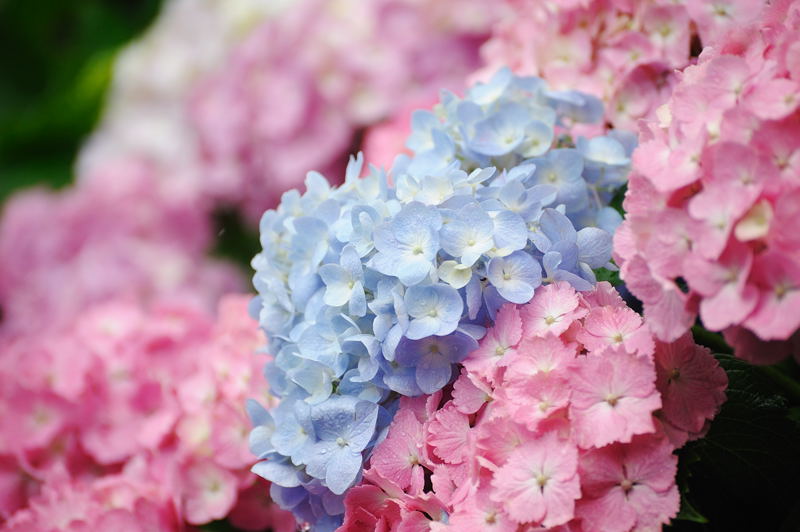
55, 63
743, 473
235, 240
619, 197
612, 277
689, 513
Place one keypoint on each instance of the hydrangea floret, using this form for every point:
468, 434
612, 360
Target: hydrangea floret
377, 288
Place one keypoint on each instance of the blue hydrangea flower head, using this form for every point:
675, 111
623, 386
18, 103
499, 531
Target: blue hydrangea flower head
378, 288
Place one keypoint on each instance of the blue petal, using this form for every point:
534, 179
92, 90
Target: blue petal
260, 441
433, 372
422, 327
332, 418
280, 473
342, 470
556, 226
337, 281
362, 429
510, 231
595, 246
258, 414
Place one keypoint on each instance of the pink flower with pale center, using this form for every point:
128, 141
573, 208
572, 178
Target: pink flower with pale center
615, 327
539, 482
398, 458
613, 398
553, 310
449, 435
628, 486
498, 347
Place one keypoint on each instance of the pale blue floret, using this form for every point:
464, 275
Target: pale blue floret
469, 234
491, 91
344, 427
422, 124
562, 170
345, 282
510, 233
606, 162
594, 247
515, 277
433, 357
501, 132
279, 470
577, 106
407, 245
263, 429
433, 309
294, 435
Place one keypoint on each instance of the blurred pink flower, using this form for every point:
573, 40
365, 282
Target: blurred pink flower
120, 234
156, 402
296, 93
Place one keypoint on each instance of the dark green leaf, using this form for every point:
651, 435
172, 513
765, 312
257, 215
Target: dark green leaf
743, 474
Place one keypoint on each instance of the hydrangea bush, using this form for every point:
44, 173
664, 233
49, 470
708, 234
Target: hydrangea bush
375, 289
565, 418
713, 201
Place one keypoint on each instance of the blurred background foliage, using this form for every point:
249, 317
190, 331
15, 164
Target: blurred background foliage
56, 58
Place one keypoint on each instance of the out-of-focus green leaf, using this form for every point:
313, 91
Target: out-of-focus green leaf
55, 65
234, 239
611, 276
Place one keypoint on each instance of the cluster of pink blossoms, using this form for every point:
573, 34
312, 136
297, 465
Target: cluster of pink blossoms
119, 233
132, 417
622, 51
714, 198
294, 95
565, 418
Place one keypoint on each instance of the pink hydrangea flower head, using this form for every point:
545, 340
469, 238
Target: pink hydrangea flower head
709, 206
626, 53
120, 236
153, 418
263, 121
